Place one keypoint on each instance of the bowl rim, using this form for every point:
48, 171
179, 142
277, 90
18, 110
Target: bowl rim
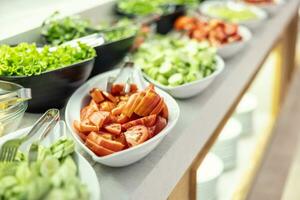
161, 134
54, 70
260, 13
265, 4
23, 105
220, 64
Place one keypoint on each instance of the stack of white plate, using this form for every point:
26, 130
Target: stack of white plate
226, 146
245, 113
207, 177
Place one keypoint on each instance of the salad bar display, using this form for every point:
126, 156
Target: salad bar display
116, 124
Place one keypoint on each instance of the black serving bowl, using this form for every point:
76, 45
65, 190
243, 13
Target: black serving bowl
111, 53
164, 23
52, 89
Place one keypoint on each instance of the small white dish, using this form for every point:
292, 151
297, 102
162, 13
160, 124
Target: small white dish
271, 8
127, 156
86, 172
193, 88
252, 23
231, 49
207, 177
226, 146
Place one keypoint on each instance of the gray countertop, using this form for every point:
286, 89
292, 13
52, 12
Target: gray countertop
155, 176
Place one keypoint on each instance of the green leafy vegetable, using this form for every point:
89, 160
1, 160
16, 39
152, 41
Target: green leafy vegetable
58, 30
52, 176
123, 28
144, 7
27, 60
174, 62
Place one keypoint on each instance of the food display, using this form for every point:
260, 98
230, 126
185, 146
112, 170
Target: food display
216, 32
58, 30
112, 122
260, 1
28, 60
173, 62
233, 12
54, 175
143, 7
123, 28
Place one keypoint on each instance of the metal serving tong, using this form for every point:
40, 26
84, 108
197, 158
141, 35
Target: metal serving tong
10, 148
8, 99
124, 76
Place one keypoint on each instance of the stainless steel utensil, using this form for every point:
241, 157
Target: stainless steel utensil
10, 148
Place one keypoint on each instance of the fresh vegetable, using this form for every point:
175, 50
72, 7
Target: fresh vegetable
58, 30
129, 120
52, 176
173, 62
216, 32
123, 28
144, 7
232, 14
260, 1
27, 60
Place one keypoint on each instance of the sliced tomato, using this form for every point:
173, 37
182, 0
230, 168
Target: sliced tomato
106, 135
136, 135
110, 97
151, 131
85, 126
121, 138
146, 121
76, 125
119, 109
199, 35
87, 111
158, 108
133, 88
99, 118
97, 149
96, 95
230, 29
114, 128
117, 89
106, 143
181, 22
145, 106
106, 106
161, 123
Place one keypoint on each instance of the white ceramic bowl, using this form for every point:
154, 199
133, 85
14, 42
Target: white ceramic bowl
271, 8
226, 146
190, 89
207, 177
252, 24
128, 156
85, 171
231, 49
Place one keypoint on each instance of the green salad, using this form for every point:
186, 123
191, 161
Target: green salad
233, 15
144, 7
52, 176
173, 62
27, 60
58, 30
123, 28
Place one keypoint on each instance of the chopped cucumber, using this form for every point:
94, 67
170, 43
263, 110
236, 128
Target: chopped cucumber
176, 79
